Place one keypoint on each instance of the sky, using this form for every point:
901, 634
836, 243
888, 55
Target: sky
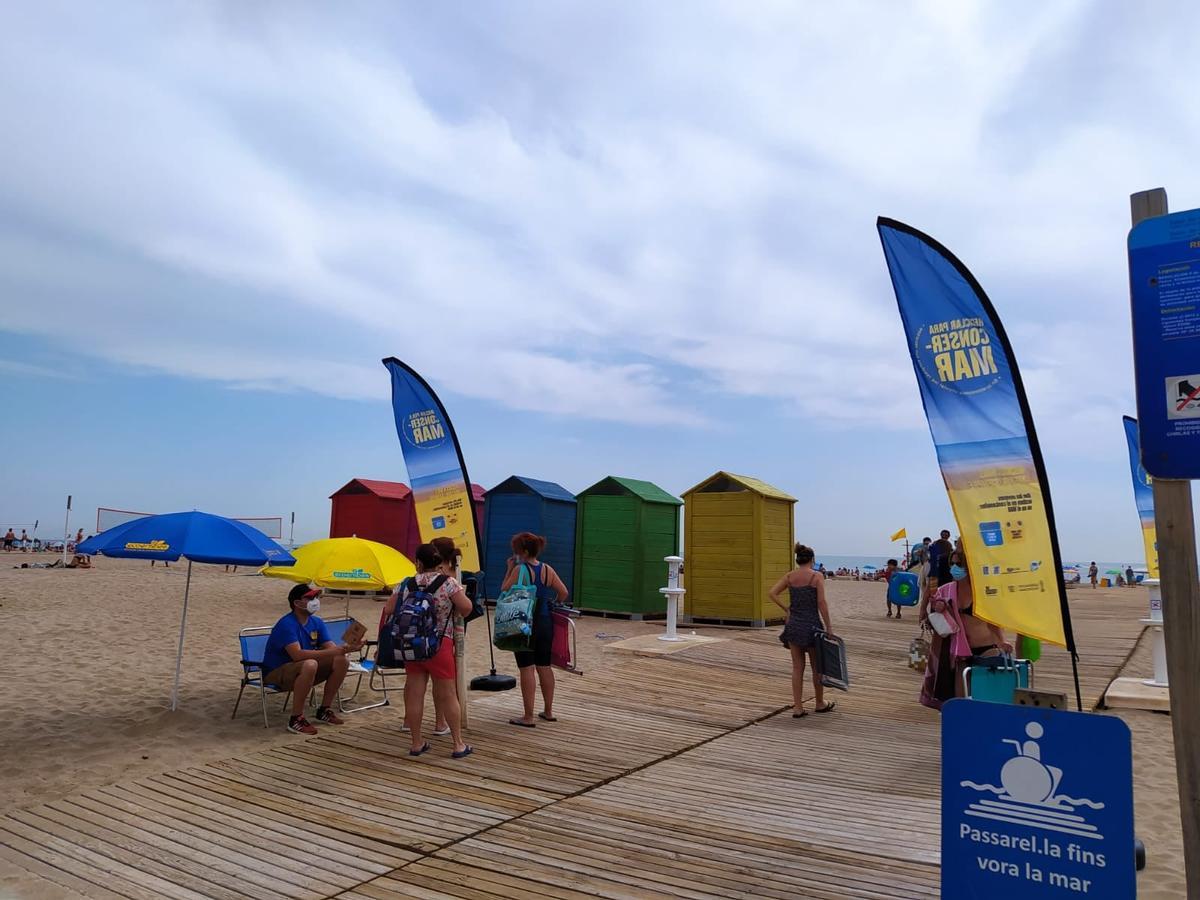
626, 238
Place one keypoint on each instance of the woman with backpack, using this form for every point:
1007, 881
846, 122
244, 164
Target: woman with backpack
550, 589
448, 597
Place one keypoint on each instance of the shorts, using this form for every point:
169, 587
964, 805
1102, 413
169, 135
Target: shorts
285, 676
542, 644
441, 666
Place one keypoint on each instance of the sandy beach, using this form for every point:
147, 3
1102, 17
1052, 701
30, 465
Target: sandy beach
97, 713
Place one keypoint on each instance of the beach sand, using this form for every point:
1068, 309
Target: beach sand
91, 658
1155, 790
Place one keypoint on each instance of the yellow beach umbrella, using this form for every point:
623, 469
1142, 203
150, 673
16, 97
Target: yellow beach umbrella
349, 564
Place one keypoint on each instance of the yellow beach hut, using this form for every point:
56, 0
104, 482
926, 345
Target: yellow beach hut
738, 536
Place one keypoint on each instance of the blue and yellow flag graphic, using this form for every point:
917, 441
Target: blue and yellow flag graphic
1143, 495
984, 436
436, 470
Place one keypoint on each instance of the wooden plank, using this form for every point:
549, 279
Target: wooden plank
65, 872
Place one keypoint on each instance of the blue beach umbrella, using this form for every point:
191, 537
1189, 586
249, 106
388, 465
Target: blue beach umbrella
196, 536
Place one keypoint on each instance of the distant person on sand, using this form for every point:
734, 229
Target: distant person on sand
300, 654
939, 559
1129, 577
1093, 573
526, 548
893, 566
9, 539
25, 542
805, 615
441, 668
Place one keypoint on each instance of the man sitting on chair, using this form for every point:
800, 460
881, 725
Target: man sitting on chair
299, 654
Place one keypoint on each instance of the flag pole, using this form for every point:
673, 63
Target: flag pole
66, 530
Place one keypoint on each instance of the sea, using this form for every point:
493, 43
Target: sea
860, 562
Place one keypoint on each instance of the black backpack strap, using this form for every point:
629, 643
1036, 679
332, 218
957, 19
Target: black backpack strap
436, 584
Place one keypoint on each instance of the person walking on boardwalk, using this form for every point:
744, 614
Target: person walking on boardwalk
805, 615
1093, 574
550, 589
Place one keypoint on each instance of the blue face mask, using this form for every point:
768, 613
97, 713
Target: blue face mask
958, 573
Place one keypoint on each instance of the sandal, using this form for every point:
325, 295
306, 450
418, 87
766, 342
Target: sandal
425, 748
521, 724
465, 751
828, 707
800, 715
542, 715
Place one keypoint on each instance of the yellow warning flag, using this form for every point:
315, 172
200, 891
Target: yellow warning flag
900, 535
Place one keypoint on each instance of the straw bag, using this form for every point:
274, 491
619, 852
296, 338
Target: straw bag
918, 653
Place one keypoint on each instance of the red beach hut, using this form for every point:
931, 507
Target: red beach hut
383, 511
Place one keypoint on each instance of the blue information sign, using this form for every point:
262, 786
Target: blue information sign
1035, 803
1164, 287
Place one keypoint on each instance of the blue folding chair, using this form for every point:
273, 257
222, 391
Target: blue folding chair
253, 642
993, 679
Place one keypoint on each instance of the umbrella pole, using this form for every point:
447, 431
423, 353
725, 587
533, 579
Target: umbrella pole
182, 625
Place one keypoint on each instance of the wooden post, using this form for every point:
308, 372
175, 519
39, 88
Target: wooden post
460, 655
1176, 525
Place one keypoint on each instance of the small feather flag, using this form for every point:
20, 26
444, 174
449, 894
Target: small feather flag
900, 535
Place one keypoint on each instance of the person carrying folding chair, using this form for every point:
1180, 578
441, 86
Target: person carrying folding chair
960, 638
550, 590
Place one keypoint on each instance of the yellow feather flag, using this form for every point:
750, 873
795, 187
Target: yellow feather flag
900, 535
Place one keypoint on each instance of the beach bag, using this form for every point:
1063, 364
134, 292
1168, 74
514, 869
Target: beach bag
515, 609
411, 634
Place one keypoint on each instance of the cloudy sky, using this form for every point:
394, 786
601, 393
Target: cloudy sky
623, 238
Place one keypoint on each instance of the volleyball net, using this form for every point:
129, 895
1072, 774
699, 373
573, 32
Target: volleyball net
108, 517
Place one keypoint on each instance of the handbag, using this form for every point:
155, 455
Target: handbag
942, 624
514, 614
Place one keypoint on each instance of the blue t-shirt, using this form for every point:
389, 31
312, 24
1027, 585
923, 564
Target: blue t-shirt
288, 630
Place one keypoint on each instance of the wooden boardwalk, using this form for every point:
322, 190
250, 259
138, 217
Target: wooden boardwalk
681, 776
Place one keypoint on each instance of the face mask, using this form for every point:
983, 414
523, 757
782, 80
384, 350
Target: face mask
314, 606
958, 573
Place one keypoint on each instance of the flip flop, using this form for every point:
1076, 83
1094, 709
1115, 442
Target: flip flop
542, 715
425, 748
465, 751
828, 707
800, 715
521, 724
441, 732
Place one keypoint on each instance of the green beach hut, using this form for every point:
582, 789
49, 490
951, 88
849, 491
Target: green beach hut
625, 528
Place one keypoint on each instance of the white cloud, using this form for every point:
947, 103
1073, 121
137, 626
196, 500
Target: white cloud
626, 215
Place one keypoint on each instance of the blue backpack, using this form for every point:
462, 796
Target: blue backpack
411, 634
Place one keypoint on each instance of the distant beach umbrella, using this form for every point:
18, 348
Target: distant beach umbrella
195, 536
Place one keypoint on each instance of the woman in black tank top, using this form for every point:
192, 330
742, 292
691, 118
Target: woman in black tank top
806, 614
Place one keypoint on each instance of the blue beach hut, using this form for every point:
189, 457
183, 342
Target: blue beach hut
527, 504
